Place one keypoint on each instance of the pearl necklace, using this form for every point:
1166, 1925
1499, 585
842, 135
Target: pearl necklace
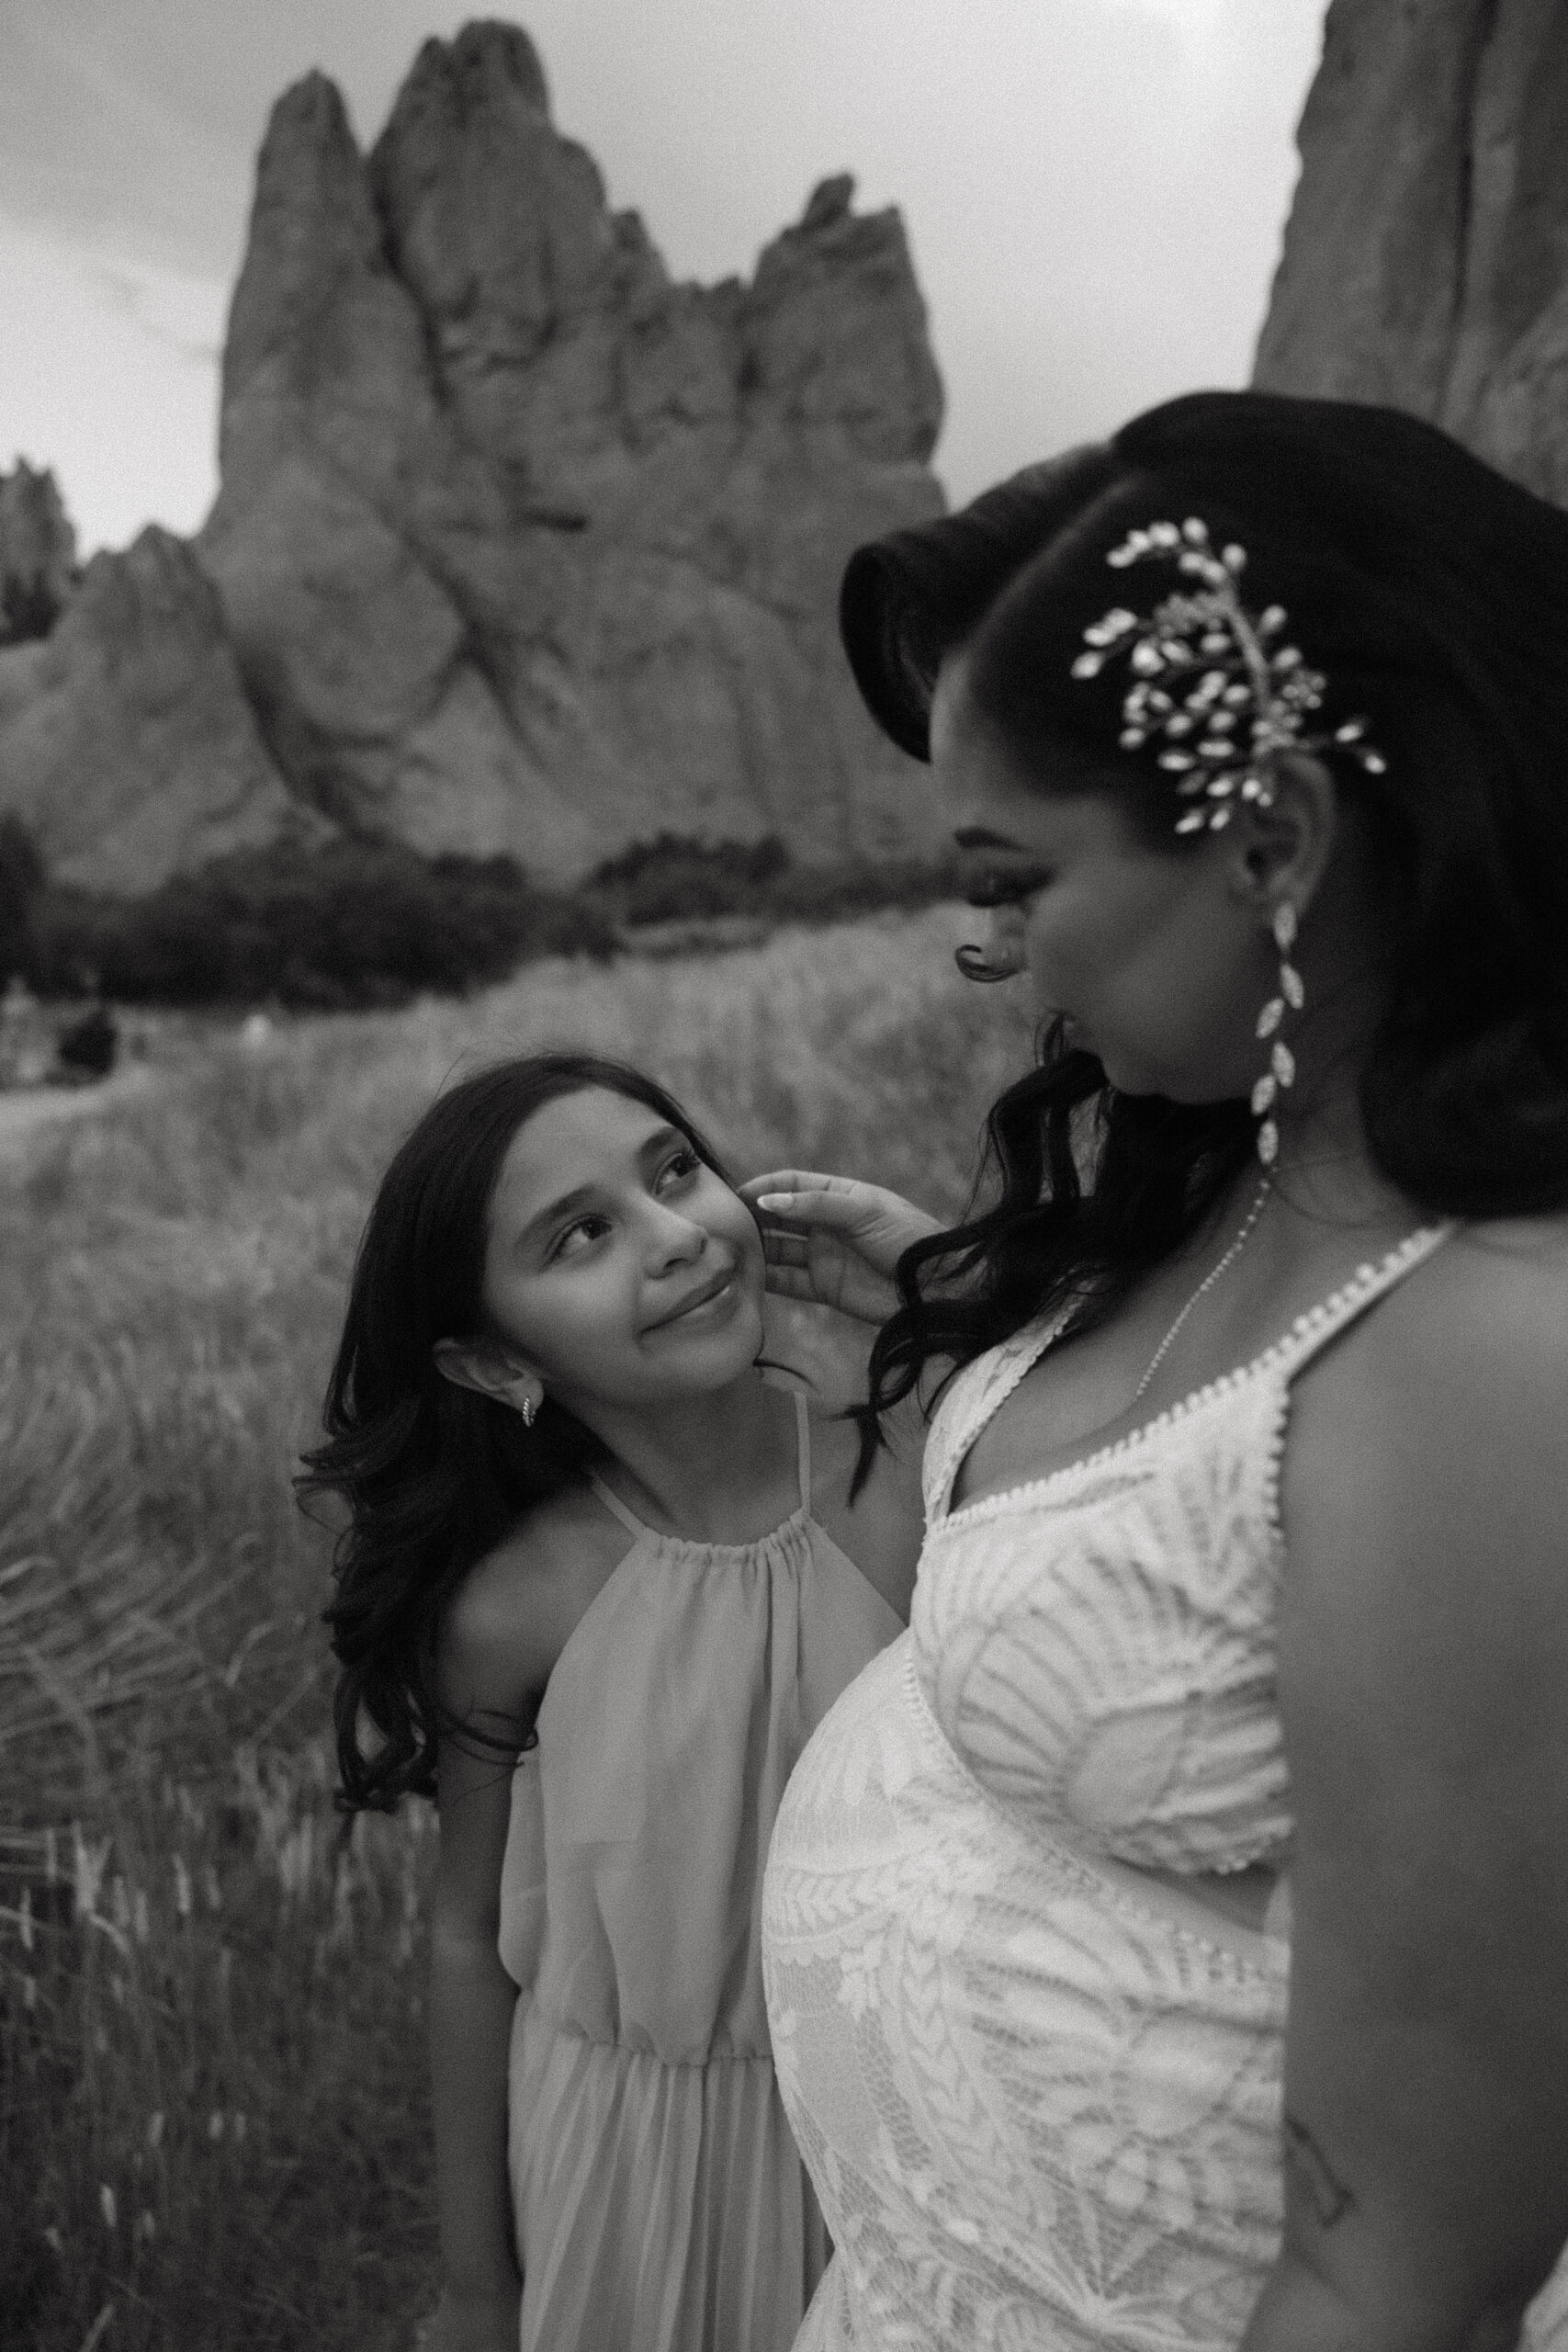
1209, 1279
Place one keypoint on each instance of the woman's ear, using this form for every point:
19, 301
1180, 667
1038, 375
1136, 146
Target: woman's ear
1282, 852
468, 1364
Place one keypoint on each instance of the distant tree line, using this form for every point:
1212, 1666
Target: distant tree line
372, 922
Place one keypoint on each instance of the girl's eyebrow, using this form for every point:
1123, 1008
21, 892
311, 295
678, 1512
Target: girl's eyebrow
578, 1198
580, 1195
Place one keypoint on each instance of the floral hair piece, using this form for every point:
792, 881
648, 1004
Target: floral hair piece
1249, 697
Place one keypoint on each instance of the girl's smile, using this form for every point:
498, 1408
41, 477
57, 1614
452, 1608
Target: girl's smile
711, 1302
618, 1261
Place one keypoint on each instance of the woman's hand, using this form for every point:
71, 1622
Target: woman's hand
472, 2324
832, 1241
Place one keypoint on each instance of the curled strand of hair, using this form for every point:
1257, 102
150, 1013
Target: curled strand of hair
975, 965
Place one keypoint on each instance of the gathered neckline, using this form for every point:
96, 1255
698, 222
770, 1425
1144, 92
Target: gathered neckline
1308, 1325
800, 1517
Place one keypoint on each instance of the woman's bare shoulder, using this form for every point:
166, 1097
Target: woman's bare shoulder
1491, 1305
1427, 1478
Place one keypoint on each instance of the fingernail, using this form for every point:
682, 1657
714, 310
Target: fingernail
772, 1200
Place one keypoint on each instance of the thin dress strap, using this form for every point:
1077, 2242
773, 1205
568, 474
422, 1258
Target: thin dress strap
803, 1449
635, 1526
1311, 1331
617, 1508
975, 1393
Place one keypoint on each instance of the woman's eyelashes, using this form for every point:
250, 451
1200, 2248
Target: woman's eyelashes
1006, 887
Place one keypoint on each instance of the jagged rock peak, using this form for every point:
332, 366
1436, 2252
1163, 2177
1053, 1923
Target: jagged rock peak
313, 226
828, 203
310, 155
487, 64
127, 745
499, 227
38, 553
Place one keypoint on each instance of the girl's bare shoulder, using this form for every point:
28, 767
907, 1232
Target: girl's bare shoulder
515, 1610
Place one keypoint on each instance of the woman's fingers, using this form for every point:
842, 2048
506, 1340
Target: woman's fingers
783, 1188
795, 1196
781, 1247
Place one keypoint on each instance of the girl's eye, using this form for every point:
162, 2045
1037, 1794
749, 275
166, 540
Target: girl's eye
577, 1236
679, 1165
1007, 888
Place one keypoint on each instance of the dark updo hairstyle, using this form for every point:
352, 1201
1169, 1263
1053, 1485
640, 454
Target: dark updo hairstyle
1433, 594
434, 1474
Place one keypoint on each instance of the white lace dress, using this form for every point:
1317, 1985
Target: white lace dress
1037, 2091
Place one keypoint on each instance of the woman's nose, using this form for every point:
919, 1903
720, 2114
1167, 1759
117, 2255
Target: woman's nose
1007, 940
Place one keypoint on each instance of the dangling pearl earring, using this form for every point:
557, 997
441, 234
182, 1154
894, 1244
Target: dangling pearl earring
527, 1409
1282, 1070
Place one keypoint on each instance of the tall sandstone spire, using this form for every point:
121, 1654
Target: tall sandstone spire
1426, 263
524, 547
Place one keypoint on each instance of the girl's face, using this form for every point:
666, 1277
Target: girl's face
619, 1268
1156, 962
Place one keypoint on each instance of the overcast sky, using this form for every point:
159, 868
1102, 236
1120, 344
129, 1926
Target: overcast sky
1094, 190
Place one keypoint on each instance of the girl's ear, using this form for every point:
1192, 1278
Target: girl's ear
468, 1364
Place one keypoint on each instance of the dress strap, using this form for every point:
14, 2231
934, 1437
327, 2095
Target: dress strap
1311, 1331
803, 1449
617, 1508
975, 1393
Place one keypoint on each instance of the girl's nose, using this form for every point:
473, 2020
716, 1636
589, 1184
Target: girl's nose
673, 1240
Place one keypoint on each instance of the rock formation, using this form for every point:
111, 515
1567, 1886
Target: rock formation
1426, 263
127, 745
38, 554
522, 546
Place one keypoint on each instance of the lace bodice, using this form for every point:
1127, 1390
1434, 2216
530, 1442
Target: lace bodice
1099, 1644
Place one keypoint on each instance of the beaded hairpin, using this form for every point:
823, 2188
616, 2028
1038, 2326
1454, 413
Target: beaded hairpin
1246, 680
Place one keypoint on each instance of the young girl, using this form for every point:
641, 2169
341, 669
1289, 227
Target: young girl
584, 1524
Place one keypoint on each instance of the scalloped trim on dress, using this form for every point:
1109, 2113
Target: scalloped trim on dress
1285, 1354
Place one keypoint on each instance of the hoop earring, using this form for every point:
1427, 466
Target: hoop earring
1282, 1071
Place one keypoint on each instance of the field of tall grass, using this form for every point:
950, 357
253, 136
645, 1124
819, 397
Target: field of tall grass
213, 2106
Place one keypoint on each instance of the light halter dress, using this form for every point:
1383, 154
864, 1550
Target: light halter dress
1038, 2090
659, 2202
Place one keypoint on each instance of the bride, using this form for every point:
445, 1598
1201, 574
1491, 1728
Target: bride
1166, 1940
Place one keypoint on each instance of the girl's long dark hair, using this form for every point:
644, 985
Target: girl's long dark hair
1434, 595
435, 1475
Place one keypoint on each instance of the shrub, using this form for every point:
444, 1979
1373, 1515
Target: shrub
362, 924
358, 925
21, 881
671, 878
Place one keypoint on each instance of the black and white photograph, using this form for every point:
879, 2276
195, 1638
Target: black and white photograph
784, 1176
